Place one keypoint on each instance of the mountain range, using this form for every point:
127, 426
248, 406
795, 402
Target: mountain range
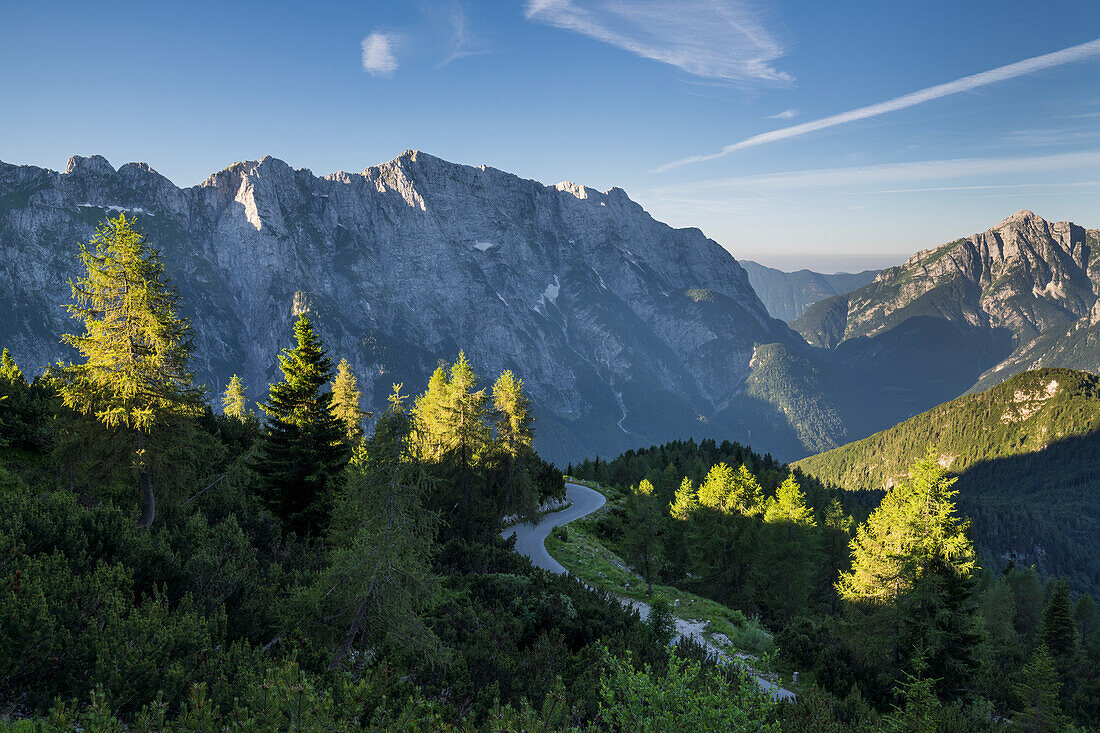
625, 331
787, 295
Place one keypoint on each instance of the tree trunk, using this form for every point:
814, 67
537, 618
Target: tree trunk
149, 513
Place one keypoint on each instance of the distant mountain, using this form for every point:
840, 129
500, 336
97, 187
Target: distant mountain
962, 317
1027, 454
625, 331
1026, 279
787, 295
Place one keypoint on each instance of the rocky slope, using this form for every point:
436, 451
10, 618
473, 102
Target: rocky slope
1026, 277
1019, 296
625, 331
787, 295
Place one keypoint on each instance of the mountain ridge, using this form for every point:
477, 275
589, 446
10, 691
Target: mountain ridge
624, 329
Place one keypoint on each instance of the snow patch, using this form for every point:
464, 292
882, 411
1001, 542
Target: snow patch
117, 209
483, 246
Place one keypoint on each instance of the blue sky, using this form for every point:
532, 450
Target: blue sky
641, 95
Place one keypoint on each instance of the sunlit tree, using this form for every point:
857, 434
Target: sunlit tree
233, 401
136, 371
346, 399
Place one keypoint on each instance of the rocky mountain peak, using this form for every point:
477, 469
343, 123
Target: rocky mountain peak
95, 164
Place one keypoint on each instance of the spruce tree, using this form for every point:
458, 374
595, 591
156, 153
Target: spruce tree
346, 399
1058, 632
1039, 711
234, 404
302, 449
1085, 613
136, 372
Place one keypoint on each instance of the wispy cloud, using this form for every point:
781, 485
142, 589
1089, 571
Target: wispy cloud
989, 187
463, 42
379, 53
966, 83
786, 114
892, 173
715, 39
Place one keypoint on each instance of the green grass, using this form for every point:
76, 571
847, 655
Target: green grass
590, 561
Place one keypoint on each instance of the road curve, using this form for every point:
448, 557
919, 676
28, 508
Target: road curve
531, 538
531, 542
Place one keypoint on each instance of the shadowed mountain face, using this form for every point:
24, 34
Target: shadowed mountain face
787, 295
624, 330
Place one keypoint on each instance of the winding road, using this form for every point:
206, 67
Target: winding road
531, 542
531, 538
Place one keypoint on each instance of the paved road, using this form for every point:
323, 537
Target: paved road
531, 538
531, 541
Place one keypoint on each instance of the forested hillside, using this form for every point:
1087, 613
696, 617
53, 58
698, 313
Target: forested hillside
1027, 455
891, 614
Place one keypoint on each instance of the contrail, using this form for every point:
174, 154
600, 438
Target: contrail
1011, 71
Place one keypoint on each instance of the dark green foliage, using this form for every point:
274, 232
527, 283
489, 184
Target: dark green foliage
660, 620
687, 697
1058, 633
1040, 710
302, 449
25, 408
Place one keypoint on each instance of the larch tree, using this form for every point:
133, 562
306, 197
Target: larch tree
685, 502
234, 404
644, 530
791, 522
302, 450
136, 372
9, 370
382, 539
512, 424
716, 488
913, 533
915, 522
429, 428
346, 399
463, 413
513, 415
